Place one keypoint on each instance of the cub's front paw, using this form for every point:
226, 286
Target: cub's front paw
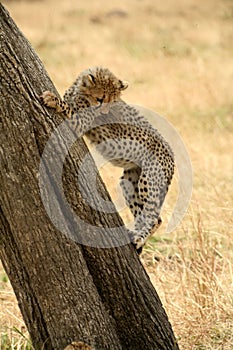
49, 99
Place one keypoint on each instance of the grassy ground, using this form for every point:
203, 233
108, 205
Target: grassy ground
177, 57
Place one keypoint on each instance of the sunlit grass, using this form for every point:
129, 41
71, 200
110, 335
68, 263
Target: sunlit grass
15, 339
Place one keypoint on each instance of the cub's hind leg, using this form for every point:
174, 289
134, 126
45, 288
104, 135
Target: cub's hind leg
152, 191
129, 186
144, 197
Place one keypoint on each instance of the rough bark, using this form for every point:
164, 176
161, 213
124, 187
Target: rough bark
66, 291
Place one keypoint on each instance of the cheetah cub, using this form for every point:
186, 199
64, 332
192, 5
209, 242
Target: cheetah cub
124, 137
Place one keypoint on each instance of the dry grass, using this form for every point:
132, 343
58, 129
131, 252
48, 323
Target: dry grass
177, 56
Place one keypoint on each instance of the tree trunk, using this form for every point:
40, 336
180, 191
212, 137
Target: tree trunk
66, 291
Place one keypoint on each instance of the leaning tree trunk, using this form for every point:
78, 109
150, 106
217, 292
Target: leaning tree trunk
66, 291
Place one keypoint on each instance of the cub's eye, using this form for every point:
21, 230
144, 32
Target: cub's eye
100, 99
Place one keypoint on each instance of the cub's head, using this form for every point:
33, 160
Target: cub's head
101, 87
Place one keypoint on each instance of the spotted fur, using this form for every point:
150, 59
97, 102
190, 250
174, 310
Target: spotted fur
126, 139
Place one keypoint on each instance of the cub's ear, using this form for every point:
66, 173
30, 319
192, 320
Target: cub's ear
123, 84
88, 80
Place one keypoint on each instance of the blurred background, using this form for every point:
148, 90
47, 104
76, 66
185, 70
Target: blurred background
178, 59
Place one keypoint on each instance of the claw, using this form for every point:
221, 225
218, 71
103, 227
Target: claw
138, 250
48, 99
137, 241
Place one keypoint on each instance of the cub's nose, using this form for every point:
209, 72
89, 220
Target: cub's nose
100, 100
